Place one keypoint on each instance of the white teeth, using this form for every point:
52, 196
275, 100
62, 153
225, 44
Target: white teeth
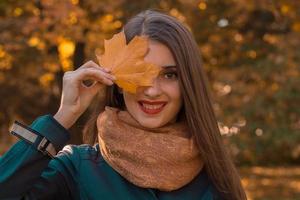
147, 106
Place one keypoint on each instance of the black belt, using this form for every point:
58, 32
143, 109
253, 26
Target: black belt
33, 137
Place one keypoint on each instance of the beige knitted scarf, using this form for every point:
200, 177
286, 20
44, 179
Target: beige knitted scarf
164, 158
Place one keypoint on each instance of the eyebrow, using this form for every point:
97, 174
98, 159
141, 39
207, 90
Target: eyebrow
169, 66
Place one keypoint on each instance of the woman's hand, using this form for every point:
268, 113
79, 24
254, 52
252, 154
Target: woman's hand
76, 96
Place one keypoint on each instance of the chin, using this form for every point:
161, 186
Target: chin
150, 124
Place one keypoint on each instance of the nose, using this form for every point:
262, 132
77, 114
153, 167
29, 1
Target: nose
154, 90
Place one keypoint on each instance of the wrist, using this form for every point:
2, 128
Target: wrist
65, 119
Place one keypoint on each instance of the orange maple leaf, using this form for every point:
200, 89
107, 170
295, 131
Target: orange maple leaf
126, 62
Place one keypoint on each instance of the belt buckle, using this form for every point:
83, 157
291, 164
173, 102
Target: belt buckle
43, 145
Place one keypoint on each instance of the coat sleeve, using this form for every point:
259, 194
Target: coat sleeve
27, 173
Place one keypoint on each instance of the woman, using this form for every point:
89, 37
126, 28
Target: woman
162, 142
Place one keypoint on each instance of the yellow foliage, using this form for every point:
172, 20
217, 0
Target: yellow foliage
202, 6
296, 26
251, 54
5, 59
66, 64
18, 12
238, 37
75, 2
285, 9
46, 79
108, 18
66, 50
117, 24
109, 23
36, 42
51, 67
175, 13
2, 52
33, 41
274, 87
272, 39
72, 18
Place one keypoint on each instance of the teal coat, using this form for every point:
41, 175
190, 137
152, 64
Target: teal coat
77, 172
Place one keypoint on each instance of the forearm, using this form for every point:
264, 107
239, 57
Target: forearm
65, 119
22, 165
29, 176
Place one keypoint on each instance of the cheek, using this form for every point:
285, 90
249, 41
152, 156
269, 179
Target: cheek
173, 92
128, 98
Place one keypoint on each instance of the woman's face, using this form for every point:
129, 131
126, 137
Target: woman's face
159, 104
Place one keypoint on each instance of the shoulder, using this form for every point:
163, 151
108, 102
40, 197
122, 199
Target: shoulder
203, 184
211, 192
80, 152
73, 155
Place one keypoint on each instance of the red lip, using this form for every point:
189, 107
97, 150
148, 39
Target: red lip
152, 111
152, 102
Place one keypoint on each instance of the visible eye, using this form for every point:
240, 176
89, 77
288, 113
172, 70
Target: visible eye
170, 75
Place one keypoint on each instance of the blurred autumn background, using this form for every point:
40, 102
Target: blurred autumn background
250, 50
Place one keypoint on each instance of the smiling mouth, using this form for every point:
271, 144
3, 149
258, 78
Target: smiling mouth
151, 108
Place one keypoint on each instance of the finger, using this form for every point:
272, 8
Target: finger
96, 72
97, 75
92, 80
88, 64
96, 87
89, 82
92, 64
89, 93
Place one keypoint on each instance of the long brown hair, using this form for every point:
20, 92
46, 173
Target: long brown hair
197, 106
